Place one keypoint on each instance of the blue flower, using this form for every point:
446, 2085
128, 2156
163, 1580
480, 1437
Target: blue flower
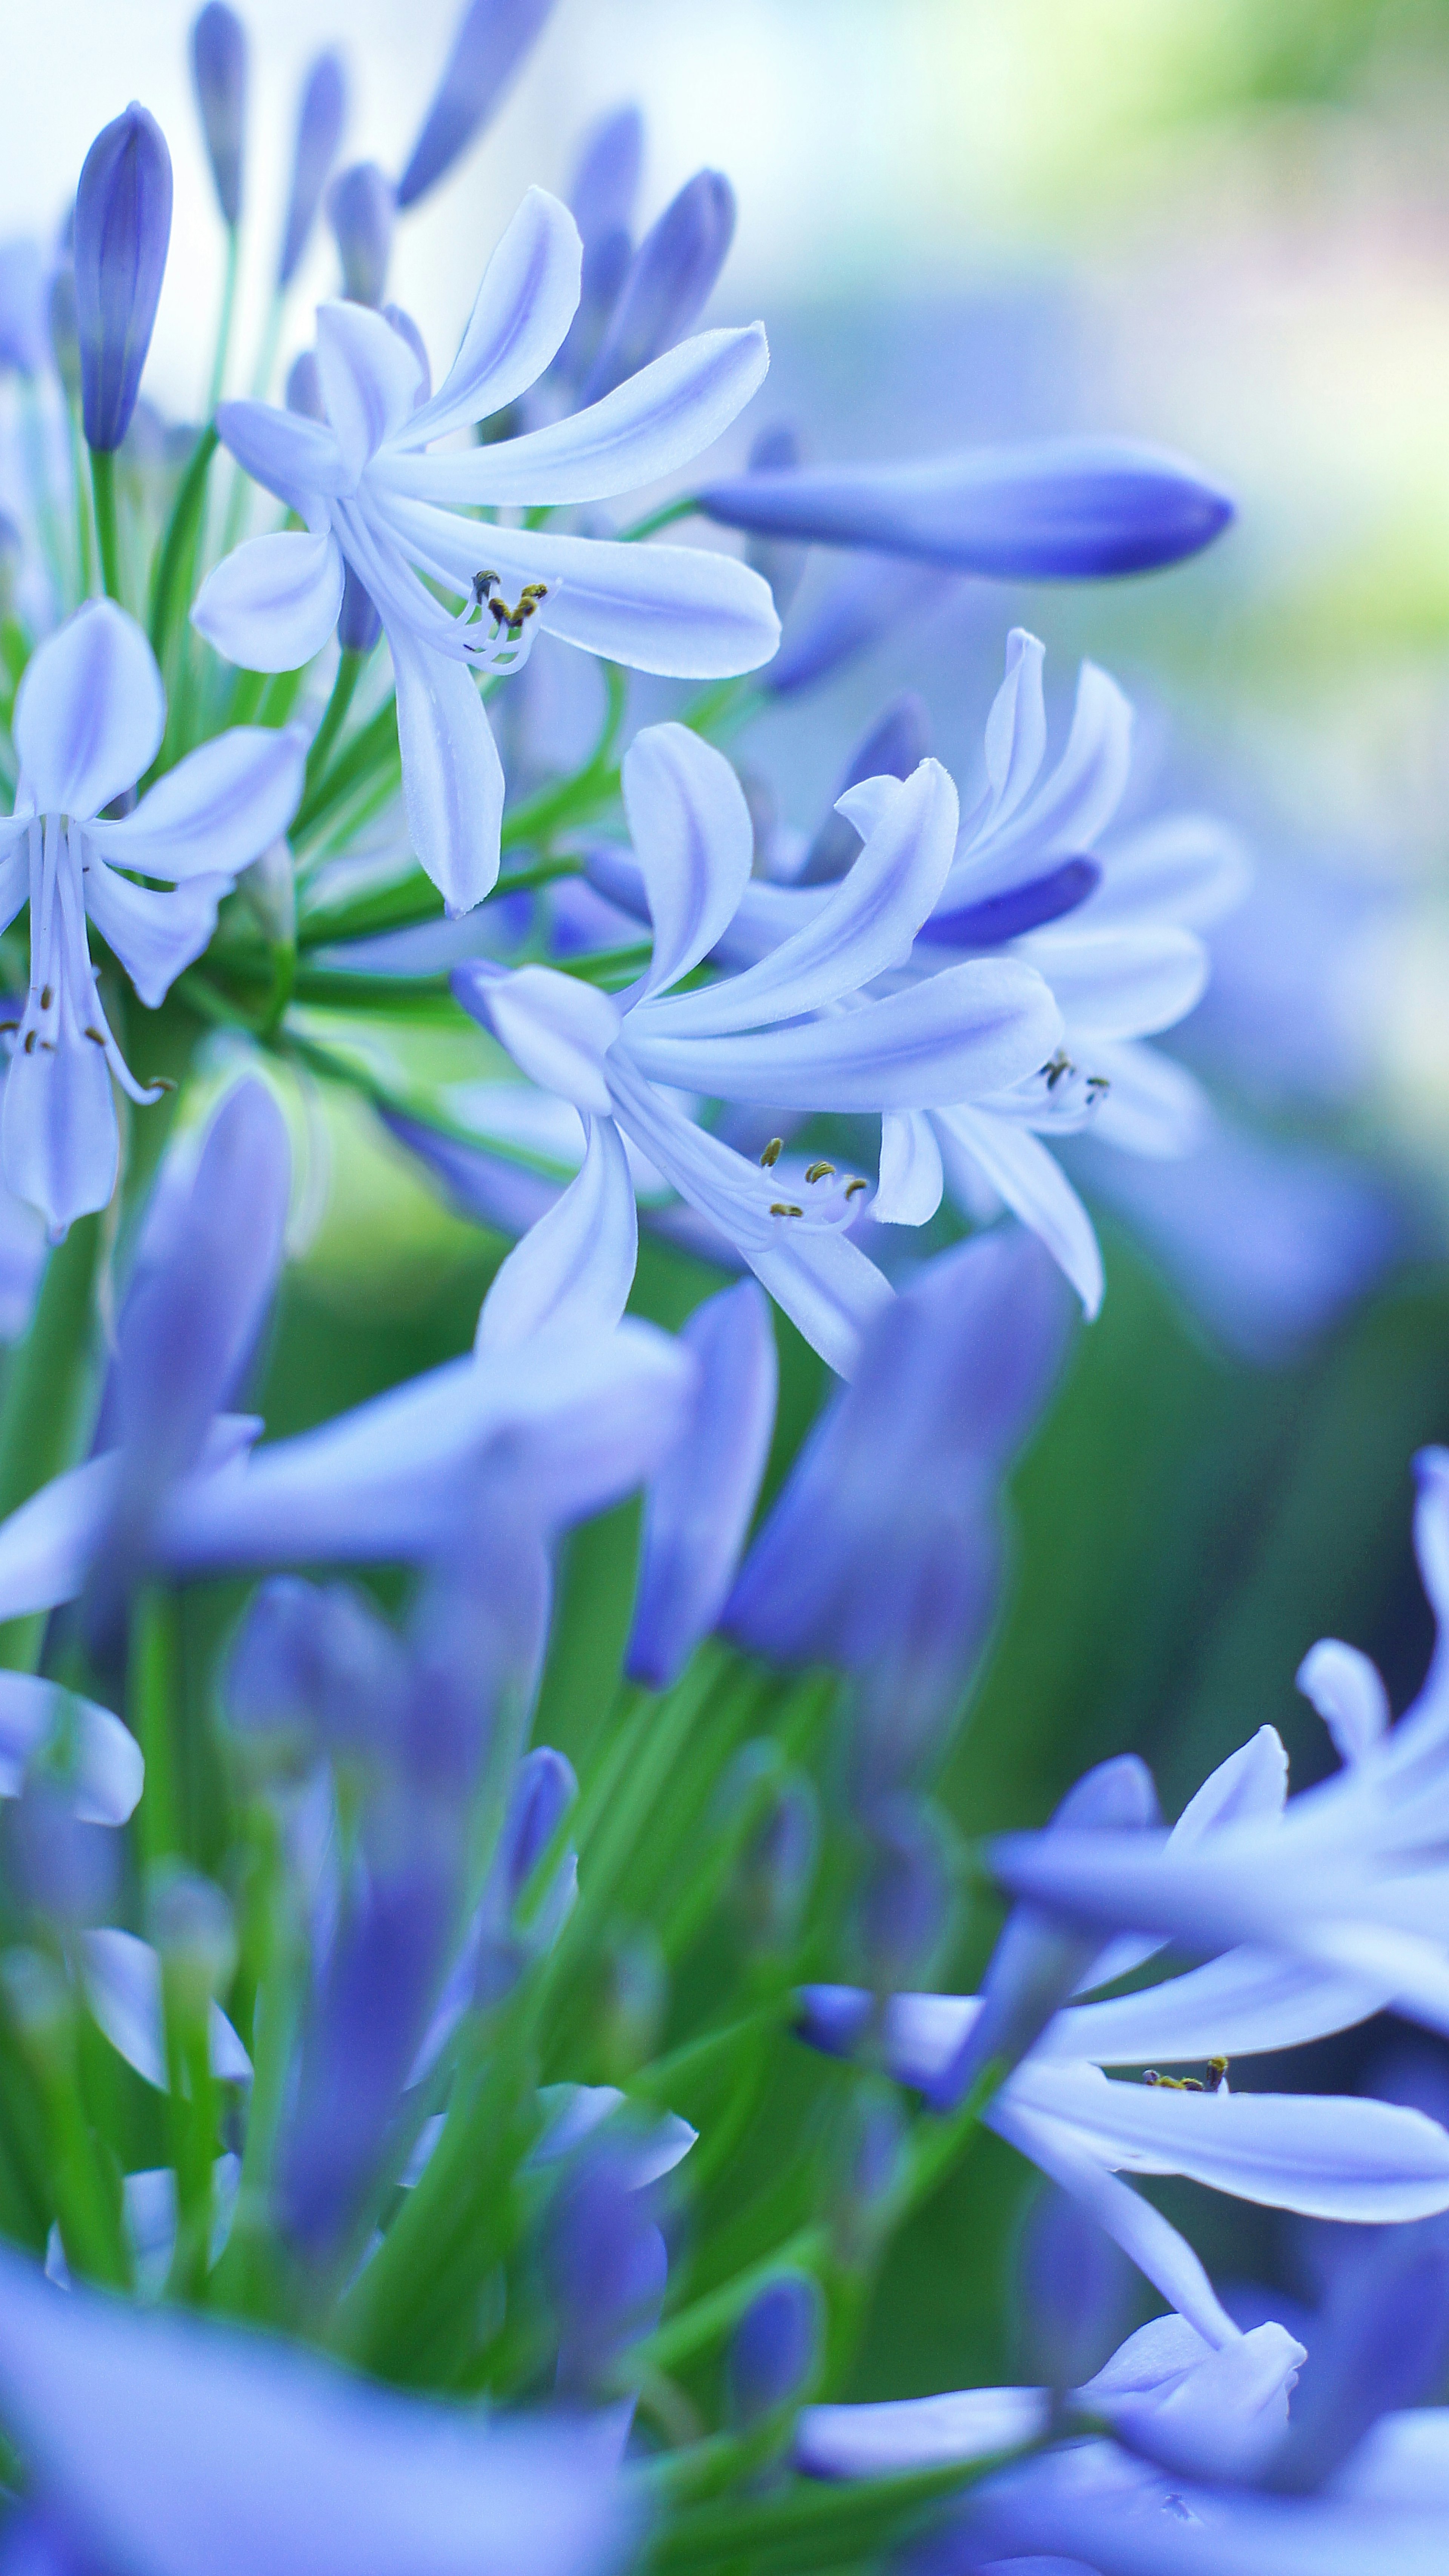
89, 718
122, 233
373, 498
799, 1030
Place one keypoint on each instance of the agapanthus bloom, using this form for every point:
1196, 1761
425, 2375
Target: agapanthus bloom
801, 1030
377, 502
89, 717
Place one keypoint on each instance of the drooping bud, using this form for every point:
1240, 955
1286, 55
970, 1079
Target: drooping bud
671, 278
219, 73
122, 233
775, 2348
488, 50
1076, 2288
319, 131
361, 209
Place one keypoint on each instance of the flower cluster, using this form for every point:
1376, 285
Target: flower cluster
469, 2044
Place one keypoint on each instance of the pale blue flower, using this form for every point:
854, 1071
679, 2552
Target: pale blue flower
89, 718
800, 1030
374, 499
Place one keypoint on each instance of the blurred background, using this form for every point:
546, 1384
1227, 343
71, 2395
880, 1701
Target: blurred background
1225, 229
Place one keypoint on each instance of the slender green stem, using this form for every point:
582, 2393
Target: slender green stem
153, 1693
368, 751
653, 520
84, 531
228, 308
46, 1408
334, 714
103, 488
176, 555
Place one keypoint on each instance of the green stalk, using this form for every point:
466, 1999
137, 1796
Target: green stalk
176, 554
103, 489
334, 716
153, 1693
228, 307
85, 539
46, 1409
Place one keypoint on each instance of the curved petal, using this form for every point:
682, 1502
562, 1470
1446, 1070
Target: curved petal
969, 1030
1015, 730
1187, 868
1244, 2004
1253, 1781
1035, 1188
682, 611
698, 1506
47, 1544
273, 602
523, 309
830, 1289
557, 1029
285, 452
911, 1174
1348, 2158
646, 428
1152, 1105
154, 935
369, 377
89, 713
1142, 2232
695, 842
1121, 983
107, 1773
121, 1977
867, 924
1073, 804
58, 1124
216, 811
903, 2433
575, 1267
1348, 1693
452, 775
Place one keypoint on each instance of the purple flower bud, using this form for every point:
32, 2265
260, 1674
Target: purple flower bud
53, 1862
606, 174
544, 1789
1069, 509
219, 71
670, 281
896, 744
304, 386
607, 2266
316, 1665
775, 2348
1040, 1960
361, 209
122, 230
697, 1508
905, 1906
998, 917
358, 623
488, 50
319, 131
22, 307
1076, 2291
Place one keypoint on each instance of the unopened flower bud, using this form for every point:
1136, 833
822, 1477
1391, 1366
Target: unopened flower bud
775, 2348
122, 233
671, 278
361, 210
319, 131
219, 71
358, 623
607, 2267
492, 40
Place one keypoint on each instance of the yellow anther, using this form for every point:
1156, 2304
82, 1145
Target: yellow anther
782, 1207
1217, 2073
819, 1171
772, 1153
852, 1186
47, 996
1055, 1066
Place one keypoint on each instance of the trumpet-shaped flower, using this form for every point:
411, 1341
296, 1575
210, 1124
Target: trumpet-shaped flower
376, 501
1348, 2159
89, 718
799, 1030
1350, 1878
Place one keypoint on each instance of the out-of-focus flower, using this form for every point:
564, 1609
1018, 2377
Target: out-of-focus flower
320, 117
494, 37
775, 2347
1059, 510
219, 71
89, 718
669, 280
122, 233
23, 336
373, 497
361, 210
796, 1031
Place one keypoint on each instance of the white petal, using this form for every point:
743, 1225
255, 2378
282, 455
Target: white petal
971, 1029
46, 1546
683, 611
1186, 868
575, 1267
1349, 1695
1015, 730
216, 811
867, 925
911, 1177
369, 378
154, 935
273, 602
108, 1773
1142, 2232
122, 1981
646, 428
14, 867
1078, 798
556, 1028
58, 1125
1251, 1782
285, 452
452, 776
1036, 1189
1346, 2158
1244, 2004
89, 713
828, 1287
1120, 983
528, 298
1152, 1105
694, 839
904, 2433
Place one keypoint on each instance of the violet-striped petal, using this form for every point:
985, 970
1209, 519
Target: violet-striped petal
520, 314
691, 828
